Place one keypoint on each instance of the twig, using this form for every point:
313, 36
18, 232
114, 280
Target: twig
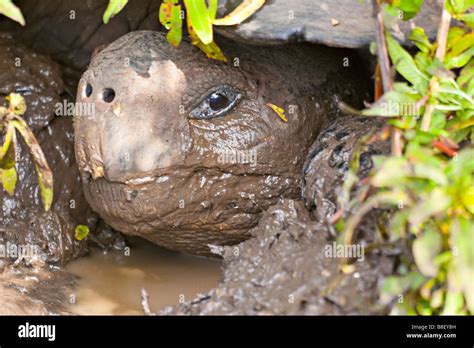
145, 303
441, 39
382, 51
387, 82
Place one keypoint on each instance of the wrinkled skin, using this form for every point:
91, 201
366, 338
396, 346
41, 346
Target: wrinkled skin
150, 169
22, 217
329, 158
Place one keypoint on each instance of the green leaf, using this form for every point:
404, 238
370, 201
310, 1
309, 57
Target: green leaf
8, 149
398, 226
405, 65
170, 17
466, 41
463, 165
9, 9
212, 50
17, 103
393, 172
453, 303
463, 241
113, 8
455, 34
408, 5
391, 104
200, 19
430, 172
467, 198
467, 18
212, 9
45, 176
409, 8
397, 285
165, 12
241, 13
419, 38
422, 61
460, 60
466, 76
437, 69
437, 202
81, 232
425, 248
9, 179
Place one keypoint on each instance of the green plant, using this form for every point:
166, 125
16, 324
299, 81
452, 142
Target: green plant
200, 17
10, 123
9, 9
427, 183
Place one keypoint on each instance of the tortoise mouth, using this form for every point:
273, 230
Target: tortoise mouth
174, 212
146, 179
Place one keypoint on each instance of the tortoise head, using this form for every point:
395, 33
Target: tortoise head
183, 150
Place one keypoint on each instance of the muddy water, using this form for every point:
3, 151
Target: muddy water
111, 283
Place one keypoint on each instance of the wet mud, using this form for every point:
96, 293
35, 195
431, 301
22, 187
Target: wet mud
35, 290
283, 269
23, 220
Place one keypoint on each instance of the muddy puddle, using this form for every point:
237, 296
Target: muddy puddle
111, 282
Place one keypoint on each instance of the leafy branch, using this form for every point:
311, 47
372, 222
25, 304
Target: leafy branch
428, 183
12, 122
200, 18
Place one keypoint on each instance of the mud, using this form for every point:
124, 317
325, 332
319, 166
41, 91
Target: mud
328, 161
23, 221
158, 162
284, 270
35, 290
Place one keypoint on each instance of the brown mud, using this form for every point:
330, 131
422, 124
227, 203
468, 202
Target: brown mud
35, 290
23, 219
283, 269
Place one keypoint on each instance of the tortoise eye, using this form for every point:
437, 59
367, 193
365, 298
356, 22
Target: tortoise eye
218, 103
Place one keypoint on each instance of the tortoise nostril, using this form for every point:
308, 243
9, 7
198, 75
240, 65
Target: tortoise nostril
108, 95
88, 90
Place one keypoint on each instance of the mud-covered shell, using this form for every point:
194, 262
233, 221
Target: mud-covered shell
341, 23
